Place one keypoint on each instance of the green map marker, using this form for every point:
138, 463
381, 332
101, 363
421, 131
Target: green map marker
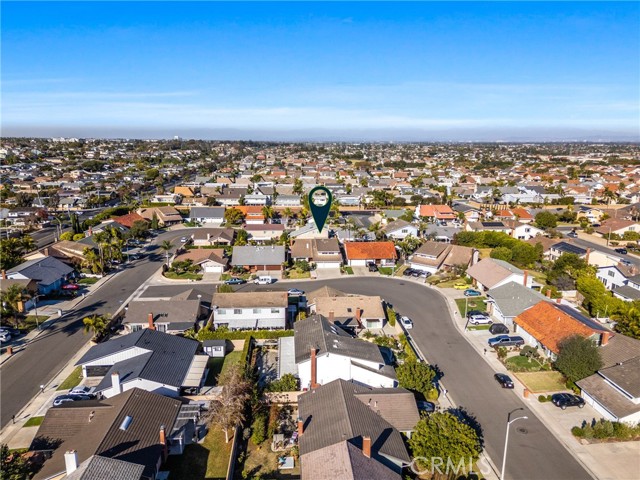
320, 199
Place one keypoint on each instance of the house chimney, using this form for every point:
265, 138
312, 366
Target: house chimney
559, 301
116, 386
586, 258
163, 442
300, 427
151, 325
366, 446
4, 274
604, 338
208, 237
46, 251
314, 369
526, 277
70, 461
331, 316
548, 293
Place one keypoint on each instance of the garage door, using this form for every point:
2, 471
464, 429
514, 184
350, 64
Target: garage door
213, 269
97, 370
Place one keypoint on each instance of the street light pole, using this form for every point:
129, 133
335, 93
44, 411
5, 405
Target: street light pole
506, 440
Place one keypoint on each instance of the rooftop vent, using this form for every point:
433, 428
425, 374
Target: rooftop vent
126, 422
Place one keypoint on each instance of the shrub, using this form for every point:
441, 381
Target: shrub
288, 383
391, 316
224, 334
542, 398
433, 394
259, 429
274, 419
502, 353
577, 432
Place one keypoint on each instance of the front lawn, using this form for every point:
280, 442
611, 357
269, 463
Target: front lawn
297, 274
30, 323
348, 270
88, 280
478, 327
208, 459
183, 276
451, 283
73, 380
541, 382
34, 422
217, 365
519, 363
385, 270
473, 303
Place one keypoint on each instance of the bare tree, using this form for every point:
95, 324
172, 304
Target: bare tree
228, 411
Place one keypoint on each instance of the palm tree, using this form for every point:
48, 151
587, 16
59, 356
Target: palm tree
267, 211
28, 244
92, 261
11, 300
97, 324
288, 213
166, 245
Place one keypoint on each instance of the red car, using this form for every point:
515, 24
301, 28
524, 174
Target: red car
70, 286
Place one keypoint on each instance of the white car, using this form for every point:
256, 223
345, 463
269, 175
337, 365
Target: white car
5, 337
81, 390
406, 322
479, 320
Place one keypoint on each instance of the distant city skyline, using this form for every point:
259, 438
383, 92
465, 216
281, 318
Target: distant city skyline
453, 71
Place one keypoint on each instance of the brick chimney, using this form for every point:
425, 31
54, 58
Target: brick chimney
116, 386
70, 461
359, 316
548, 293
300, 427
586, 258
366, 446
4, 274
559, 301
163, 442
151, 325
314, 369
526, 277
604, 338
45, 251
331, 316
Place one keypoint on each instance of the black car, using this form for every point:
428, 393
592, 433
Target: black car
622, 251
564, 400
498, 328
408, 272
235, 281
504, 380
426, 407
372, 267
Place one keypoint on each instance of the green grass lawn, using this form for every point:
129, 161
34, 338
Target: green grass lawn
72, 380
540, 382
183, 276
478, 327
348, 270
385, 270
474, 303
451, 283
217, 365
29, 323
520, 363
296, 274
88, 280
208, 459
34, 422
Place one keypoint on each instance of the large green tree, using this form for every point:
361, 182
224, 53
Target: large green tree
233, 216
546, 219
578, 358
416, 376
12, 465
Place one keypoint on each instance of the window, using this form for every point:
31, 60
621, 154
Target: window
256, 310
611, 273
275, 310
221, 311
237, 311
135, 327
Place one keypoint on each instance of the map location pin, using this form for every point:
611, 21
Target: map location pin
320, 199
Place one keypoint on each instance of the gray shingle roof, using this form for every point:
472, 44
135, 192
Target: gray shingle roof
250, 255
104, 468
207, 212
332, 413
513, 299
45, 270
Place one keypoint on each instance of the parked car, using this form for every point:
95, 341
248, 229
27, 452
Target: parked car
5, 337
263, 280
295, 291
622, 251
183, 239
426, 407
461, 286
71, 286
372, 267
82, 390
498, 328
505, 341
479, 319
564, 400
470, 292
504, 380
235, 281
60, 399
572, 234
406, 322
408, 272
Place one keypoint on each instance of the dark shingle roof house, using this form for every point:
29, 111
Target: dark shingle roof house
47, 271
126, 427
104, 468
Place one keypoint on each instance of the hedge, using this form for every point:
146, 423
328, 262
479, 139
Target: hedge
207, 334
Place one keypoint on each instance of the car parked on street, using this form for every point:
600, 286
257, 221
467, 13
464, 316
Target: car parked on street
406, 322
5, 337
572, 234
504, 380
470, 292
295, 291
235, 281
564, 400
622, 251
505, 341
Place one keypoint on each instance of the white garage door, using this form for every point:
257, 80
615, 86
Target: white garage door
328, 265
213, 269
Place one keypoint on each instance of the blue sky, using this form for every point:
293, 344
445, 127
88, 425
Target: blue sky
389, 71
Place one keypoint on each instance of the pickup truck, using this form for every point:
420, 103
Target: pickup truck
505, 341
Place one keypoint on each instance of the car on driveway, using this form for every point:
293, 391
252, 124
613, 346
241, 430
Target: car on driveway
235, 281
505, 341
572, 234
470, 292
426, 407
479, 319
460, 286
5, 337
504, 380
71, 286
372, 267
406, 322
498, 328
295, 291
564, 400
82, 390
60, 399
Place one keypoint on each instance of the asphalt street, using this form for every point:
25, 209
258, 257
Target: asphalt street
534, 453
35, 365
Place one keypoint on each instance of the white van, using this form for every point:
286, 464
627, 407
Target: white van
263, 280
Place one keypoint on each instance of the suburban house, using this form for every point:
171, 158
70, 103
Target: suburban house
147, 359
174, 315
617, 226
127, 436
614, 390
323, 252
166, 215
560, 248
630, 291
491, 273
49, 272
546, 324
350, 312
436, 256
511, 299
615, 276
67, 251
210, 260
252, 214
206, 237
593, 215
129, 219
435, 213
348, 431
400, 229
268, 259
27, 286
310, 230
264, 232
359, 254
523, 231
251, 310
166, 198
207, 215
324, 353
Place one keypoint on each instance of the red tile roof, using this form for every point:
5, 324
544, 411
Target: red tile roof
438, 211
370, 250
129, 219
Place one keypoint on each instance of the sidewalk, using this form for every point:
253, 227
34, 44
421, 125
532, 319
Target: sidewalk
605, 461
